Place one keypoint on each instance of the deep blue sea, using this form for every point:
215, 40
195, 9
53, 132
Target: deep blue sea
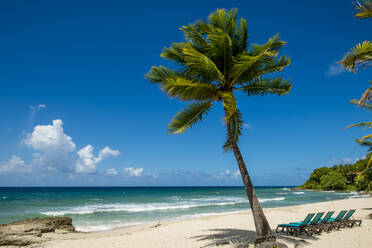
104, 208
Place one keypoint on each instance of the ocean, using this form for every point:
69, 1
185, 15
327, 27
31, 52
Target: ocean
105, 208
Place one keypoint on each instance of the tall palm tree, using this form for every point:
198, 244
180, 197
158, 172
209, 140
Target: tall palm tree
214, 63
360, 56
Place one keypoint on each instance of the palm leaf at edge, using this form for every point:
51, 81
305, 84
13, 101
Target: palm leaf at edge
189, 116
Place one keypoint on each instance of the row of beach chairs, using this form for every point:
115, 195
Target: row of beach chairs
316, 225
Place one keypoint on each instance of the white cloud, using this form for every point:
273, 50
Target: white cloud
87, 162
50, 137
10, 129
346, 160
111, 172
35, 109
54, 150
248, 126
236, 173
137, 172
334, 70
52, 145
228, 174
106, 152
15, 164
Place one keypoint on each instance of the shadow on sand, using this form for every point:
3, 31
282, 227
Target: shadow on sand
238, 238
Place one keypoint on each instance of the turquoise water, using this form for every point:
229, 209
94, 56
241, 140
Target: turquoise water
104, 208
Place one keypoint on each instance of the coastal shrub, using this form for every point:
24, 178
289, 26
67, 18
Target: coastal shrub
333, 180
364, 181
351, 187
350, 177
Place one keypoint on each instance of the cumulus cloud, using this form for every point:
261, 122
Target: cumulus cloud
111, 172
55, 150
130, 171
52, 145
15, 164
334, 70
50, 137
87, 162
106, 152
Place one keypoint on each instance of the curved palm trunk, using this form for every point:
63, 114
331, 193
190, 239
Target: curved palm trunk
263, 229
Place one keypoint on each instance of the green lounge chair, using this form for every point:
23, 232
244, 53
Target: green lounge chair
335, 222
296, 227
314, 227
323, 222
346, 221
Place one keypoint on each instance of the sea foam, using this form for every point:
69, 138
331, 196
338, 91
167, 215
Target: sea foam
299, 193
152, 207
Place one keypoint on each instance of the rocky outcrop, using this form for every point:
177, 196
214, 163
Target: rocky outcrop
29, 231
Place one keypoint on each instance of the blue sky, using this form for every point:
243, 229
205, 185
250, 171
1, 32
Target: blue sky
73, 95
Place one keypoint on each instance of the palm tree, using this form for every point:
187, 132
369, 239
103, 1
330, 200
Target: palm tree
214, 63
364, 9
360, 56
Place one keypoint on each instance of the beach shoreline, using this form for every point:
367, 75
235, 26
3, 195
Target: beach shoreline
224, 230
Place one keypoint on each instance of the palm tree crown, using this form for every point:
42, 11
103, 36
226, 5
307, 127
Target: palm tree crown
215, 61
364, 9
361, 54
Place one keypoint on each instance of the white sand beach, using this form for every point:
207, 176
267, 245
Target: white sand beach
226, 231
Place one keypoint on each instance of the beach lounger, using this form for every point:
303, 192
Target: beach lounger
323, 222
335, 222
314, 223
296, 228
346, 221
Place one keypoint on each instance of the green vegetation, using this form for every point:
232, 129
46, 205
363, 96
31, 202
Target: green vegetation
216, 61
346, 177
361, 57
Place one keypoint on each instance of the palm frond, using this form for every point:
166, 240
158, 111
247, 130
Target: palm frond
189, 116
229, 102
224, 20
241, 63
195, 37
261, 86
240, 40
365, 143
269, 65
161, 74
365, 125
364, 8
199, 64
366, 95
359, 56
366, 106
265, 54
174, 53
236, 124
364, 138
221, 50
272, 45
186, 89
